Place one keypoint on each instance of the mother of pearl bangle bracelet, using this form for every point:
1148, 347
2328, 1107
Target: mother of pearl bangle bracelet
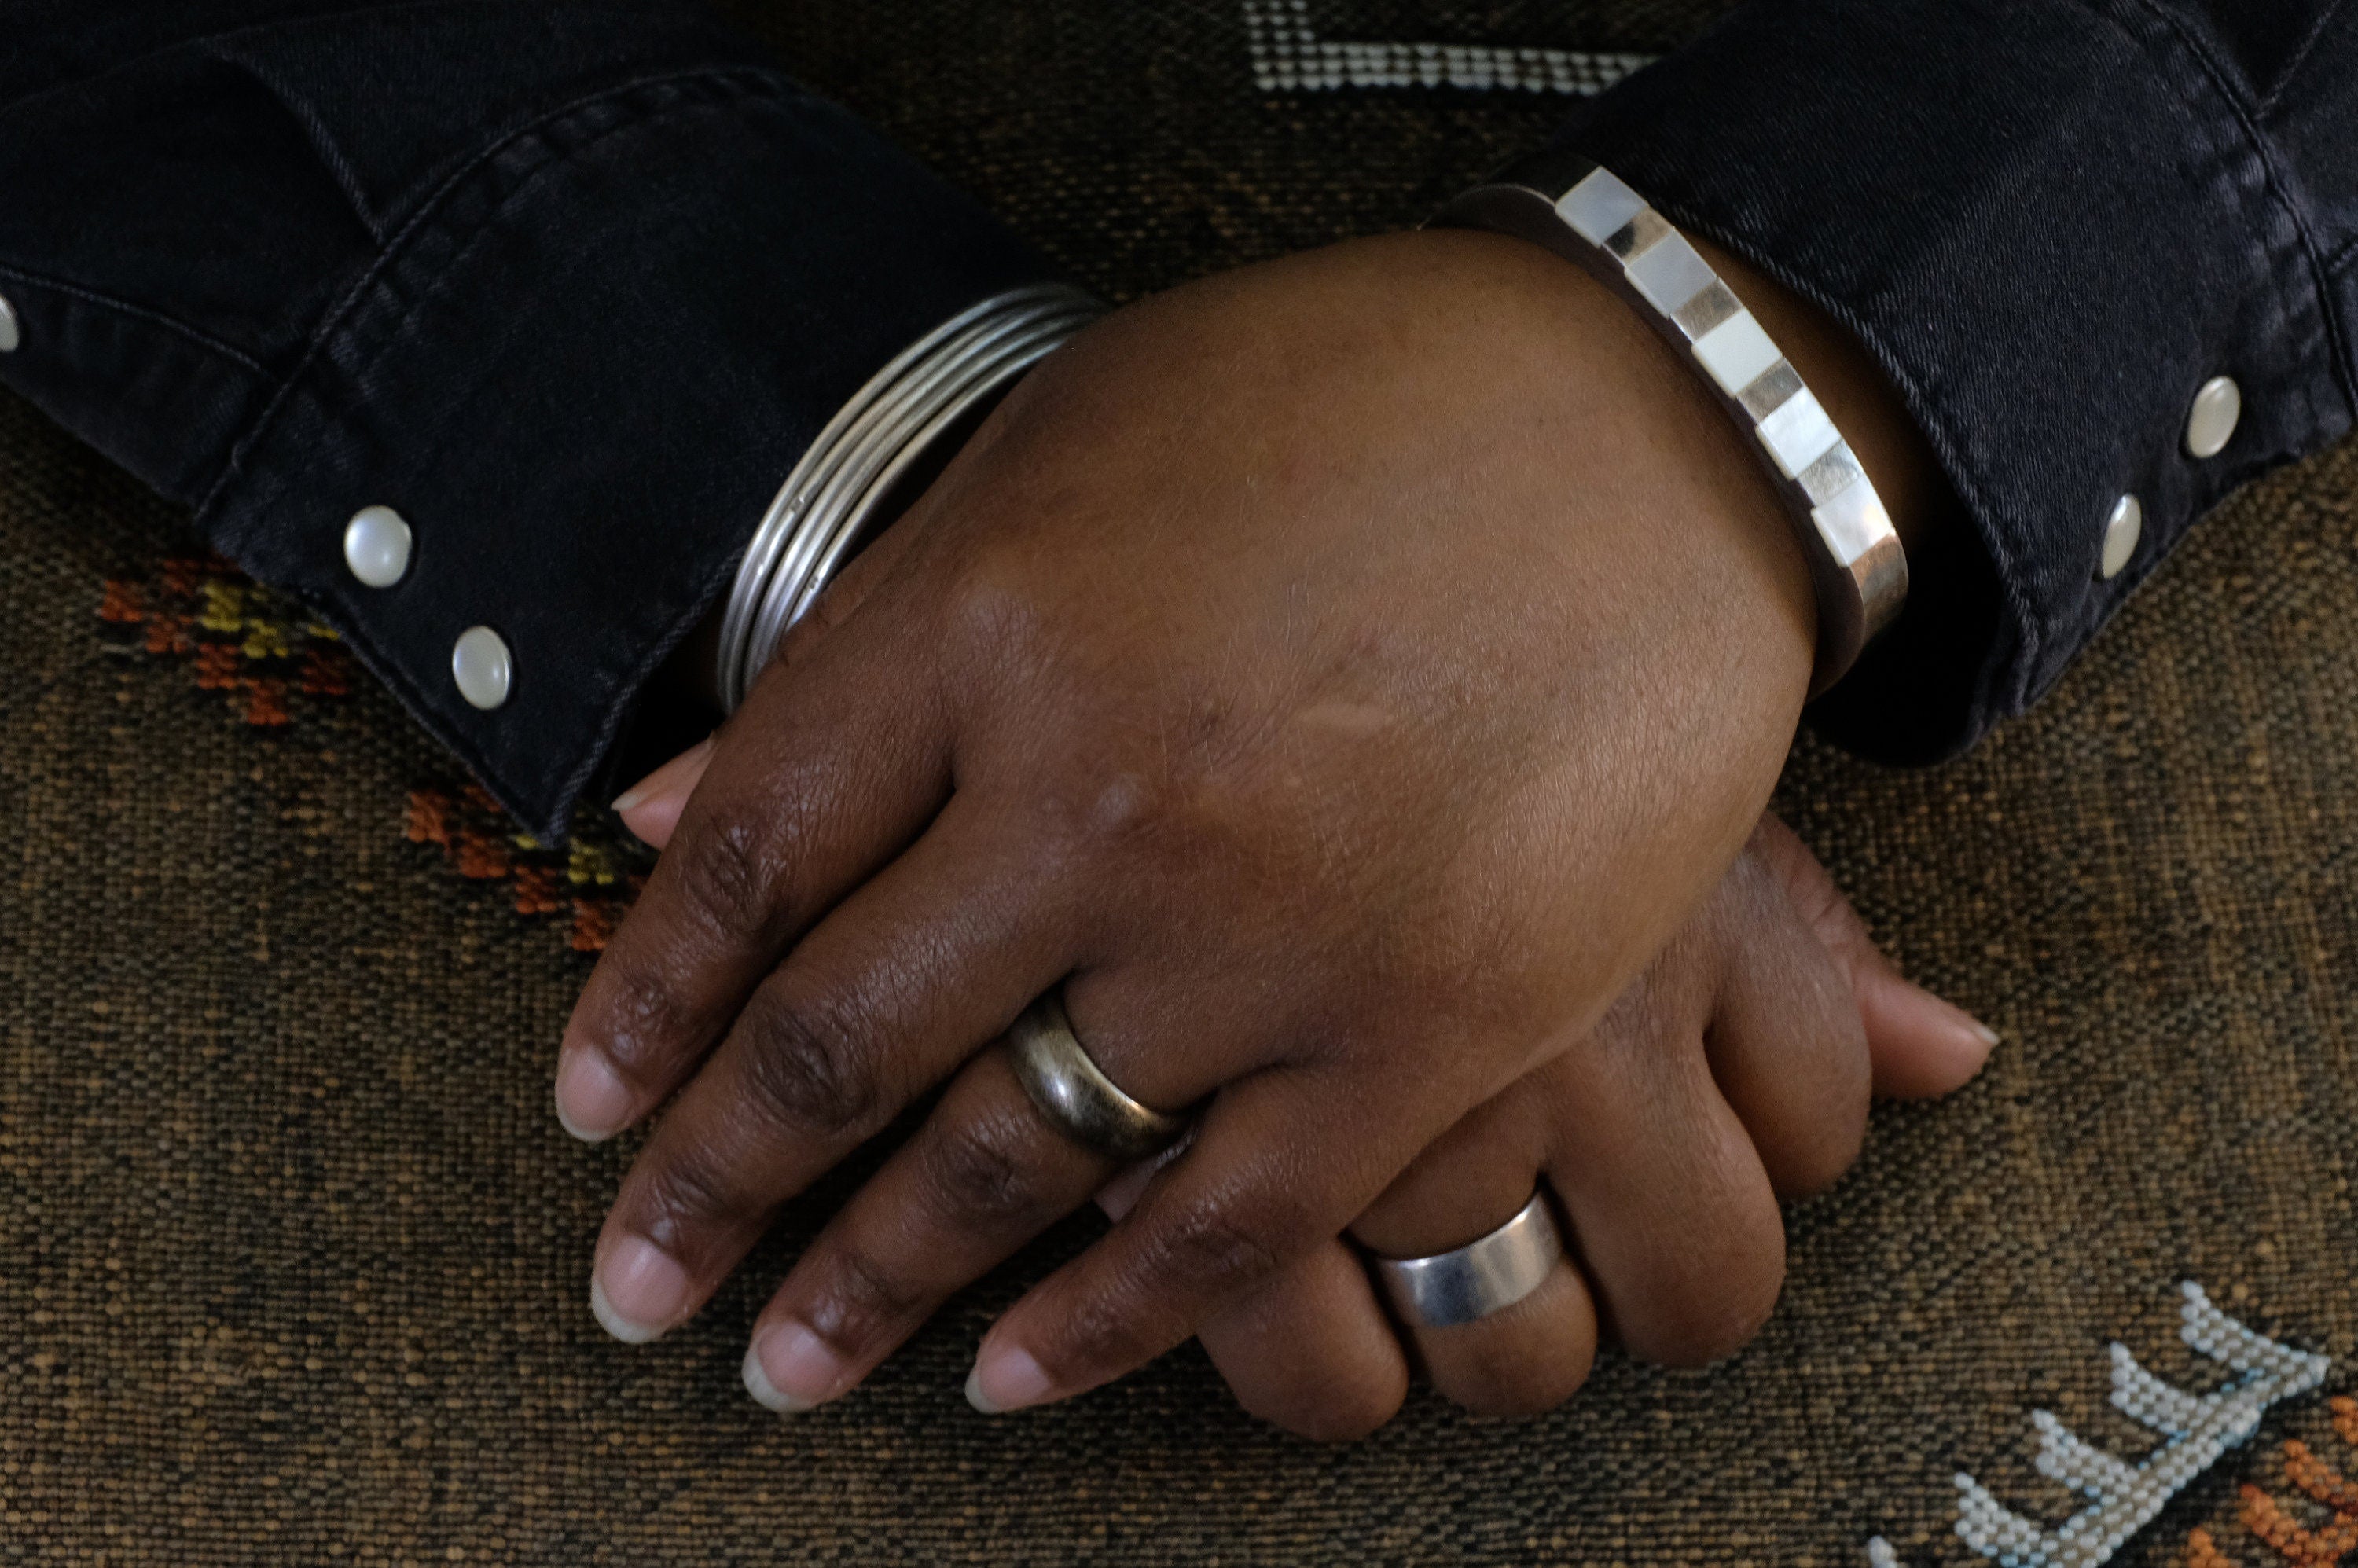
1583, 213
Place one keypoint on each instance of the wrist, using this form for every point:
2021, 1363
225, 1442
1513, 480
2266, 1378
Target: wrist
1857, 396
1581, 213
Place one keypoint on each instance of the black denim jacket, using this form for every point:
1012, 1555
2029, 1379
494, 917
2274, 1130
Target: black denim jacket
570, 284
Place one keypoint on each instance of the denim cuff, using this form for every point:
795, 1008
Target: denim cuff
2051, 225
578, 375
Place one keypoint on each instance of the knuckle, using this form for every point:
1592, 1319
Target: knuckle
645, 1020
990, 609
1500, 1382
1101, 805
1123, 804
1341, 1414
1215, 1250
810, 1067
1717, 1316
686, 1195
1825, 1157
1111, 1332
977, 1173
726, 876
861, 1299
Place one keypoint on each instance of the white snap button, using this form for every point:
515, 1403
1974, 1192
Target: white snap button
2218, 409
376, 546
2123, 529
11, 335
481, 666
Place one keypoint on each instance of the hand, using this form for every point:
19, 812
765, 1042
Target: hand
1342, 675
1753, 1039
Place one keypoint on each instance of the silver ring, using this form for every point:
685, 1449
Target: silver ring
1073, 1092
1470, 1282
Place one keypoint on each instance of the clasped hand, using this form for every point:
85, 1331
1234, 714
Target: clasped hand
1345, 677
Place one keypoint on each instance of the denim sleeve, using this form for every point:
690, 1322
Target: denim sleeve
567, 286
2052, 222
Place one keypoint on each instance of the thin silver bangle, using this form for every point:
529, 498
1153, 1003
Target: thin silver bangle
1583, 213
846, 476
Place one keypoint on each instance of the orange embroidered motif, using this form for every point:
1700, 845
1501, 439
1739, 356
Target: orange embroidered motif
255, 646
2196, 1430
2319, 1479
2201, 1551
591, 879
261, 651
2326, 1545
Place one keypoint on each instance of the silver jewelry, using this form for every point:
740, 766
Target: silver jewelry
1073, 1092
1470, 1282
846, 477
1583, 213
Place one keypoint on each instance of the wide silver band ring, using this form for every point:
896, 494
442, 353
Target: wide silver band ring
1468, 1284
1073, 1092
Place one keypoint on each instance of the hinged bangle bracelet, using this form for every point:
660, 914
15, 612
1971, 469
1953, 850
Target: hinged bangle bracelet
1580, 211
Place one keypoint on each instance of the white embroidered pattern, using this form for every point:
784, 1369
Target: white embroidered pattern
2196, 1427
1288, 56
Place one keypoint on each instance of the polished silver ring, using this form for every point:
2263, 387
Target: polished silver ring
1470, 1282
1073, 1092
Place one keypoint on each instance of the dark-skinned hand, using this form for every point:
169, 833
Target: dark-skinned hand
1342, 675
1754, 1037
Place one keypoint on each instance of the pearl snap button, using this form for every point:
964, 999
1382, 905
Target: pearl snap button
2218, 409
10, 334
2123, 529
376, 546
481, 666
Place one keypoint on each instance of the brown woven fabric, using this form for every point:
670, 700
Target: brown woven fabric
292, 1253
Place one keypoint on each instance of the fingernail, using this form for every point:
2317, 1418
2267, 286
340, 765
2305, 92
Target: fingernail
790, 1370
1005, 1378
592, 1102
1972, 1025
640, 792
638, 1290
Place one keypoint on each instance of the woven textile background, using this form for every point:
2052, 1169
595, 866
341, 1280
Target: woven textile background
292, 1253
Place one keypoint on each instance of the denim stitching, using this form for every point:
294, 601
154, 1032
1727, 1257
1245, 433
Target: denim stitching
427, 211
2278, 187
752, 83
2299, 57
202, 40
203, 340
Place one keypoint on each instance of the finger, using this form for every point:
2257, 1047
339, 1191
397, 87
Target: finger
984, 1175
1311, 1351
1920, 1046
1527, 1357
822, 778
1271, 1173
651, 809
883, 999
1784, 1043
1673, 1214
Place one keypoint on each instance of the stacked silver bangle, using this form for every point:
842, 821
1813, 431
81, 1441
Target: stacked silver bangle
844, 482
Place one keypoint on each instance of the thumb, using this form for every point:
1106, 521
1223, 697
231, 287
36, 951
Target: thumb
1921, 1047
651, 807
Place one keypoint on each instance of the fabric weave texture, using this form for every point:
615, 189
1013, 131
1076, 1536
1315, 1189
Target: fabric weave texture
292, 1254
